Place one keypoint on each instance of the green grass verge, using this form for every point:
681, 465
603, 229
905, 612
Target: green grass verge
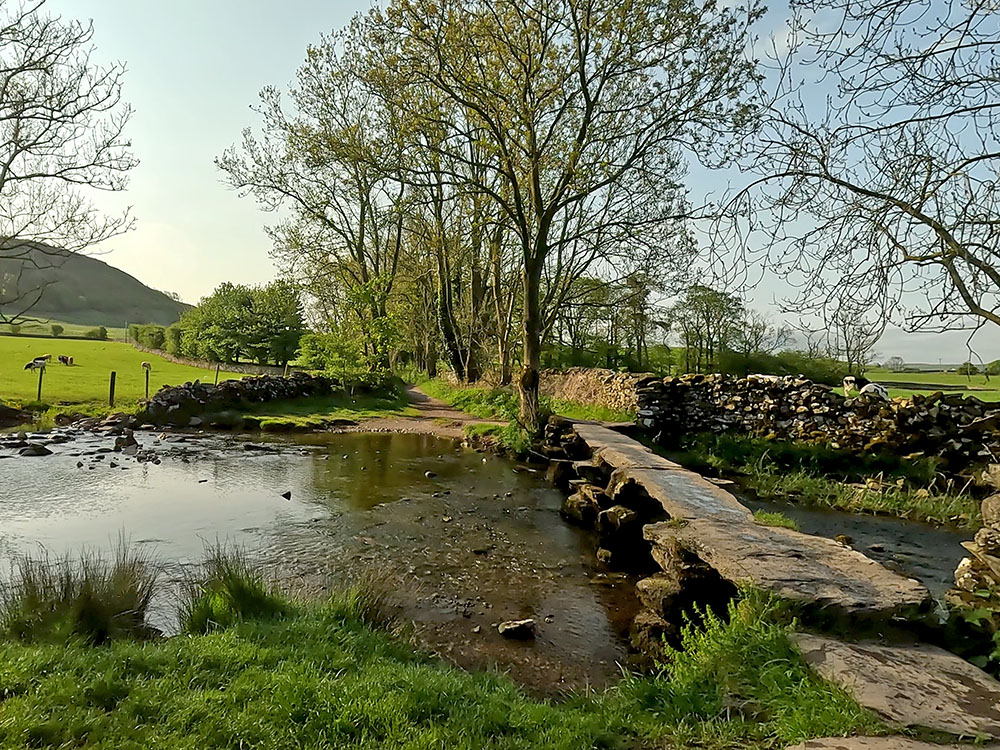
823, 477
975, 385
323, 677
767, 518
510, 436
318, 411
503, 403
84, 386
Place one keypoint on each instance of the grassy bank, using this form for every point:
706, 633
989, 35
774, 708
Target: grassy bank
986, 389
83, 387
319, 411
502, 404
826, 478
258, 670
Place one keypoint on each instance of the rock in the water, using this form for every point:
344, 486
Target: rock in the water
914, 686
520, 630
430, 474
34, 449
287, 495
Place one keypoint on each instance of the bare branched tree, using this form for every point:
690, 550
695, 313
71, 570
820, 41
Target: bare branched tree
879, 168
62, 123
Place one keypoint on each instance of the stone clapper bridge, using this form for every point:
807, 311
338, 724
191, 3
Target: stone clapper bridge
700, 543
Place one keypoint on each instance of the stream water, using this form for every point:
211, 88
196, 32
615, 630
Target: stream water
464, 540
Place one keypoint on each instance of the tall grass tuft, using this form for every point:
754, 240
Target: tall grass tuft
92, 597
369, 599
227, 589
741, 677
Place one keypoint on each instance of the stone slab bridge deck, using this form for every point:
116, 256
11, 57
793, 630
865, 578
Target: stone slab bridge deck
705, 526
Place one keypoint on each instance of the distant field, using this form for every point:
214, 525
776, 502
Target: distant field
86, 382
976, 385
43, 327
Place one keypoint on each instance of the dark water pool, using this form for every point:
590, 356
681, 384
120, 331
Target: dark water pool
918, 550
475, 542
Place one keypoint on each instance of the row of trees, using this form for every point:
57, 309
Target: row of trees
450, 170
261, 324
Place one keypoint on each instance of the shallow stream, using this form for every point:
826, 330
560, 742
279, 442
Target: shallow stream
464, 540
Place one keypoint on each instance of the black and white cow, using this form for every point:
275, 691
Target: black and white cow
864, 385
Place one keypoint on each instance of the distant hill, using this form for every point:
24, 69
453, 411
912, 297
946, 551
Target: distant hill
86, 291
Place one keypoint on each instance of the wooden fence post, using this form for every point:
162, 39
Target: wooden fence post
216, 373
111, 392
41, 371
147, 383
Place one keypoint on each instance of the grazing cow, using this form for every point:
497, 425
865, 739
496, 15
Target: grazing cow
64, 360
38, 363
864, 385
877, 390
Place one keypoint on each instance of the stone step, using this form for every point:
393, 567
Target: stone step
828, 578
909, 685
709, 523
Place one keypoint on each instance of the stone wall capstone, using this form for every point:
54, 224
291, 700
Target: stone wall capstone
963, 431
589, 385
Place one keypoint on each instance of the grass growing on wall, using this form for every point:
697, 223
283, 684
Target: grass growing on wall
769, 518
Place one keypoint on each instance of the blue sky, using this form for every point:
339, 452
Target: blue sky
194, 69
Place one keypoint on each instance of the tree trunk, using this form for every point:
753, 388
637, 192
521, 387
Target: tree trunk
532, 347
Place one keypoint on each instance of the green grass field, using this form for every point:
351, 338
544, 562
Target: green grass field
84, 386
976, 385
43, 327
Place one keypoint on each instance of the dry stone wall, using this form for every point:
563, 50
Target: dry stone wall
176, 405
963, 431
588, 385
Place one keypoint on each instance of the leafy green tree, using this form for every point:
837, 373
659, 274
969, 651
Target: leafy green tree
577, 145
57, 330
968, 369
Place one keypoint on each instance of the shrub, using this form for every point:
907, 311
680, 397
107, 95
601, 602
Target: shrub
100, 333
57, 330
228, 589
152, 336
172, 343
333, 354
133, 332
15, 329
93, 598
817, 369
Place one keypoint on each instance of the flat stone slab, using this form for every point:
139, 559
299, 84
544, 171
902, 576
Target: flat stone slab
881, 743
618, 450
818, 572
684, 495
914, 686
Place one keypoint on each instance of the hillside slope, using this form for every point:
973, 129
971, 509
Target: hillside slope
85, 290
